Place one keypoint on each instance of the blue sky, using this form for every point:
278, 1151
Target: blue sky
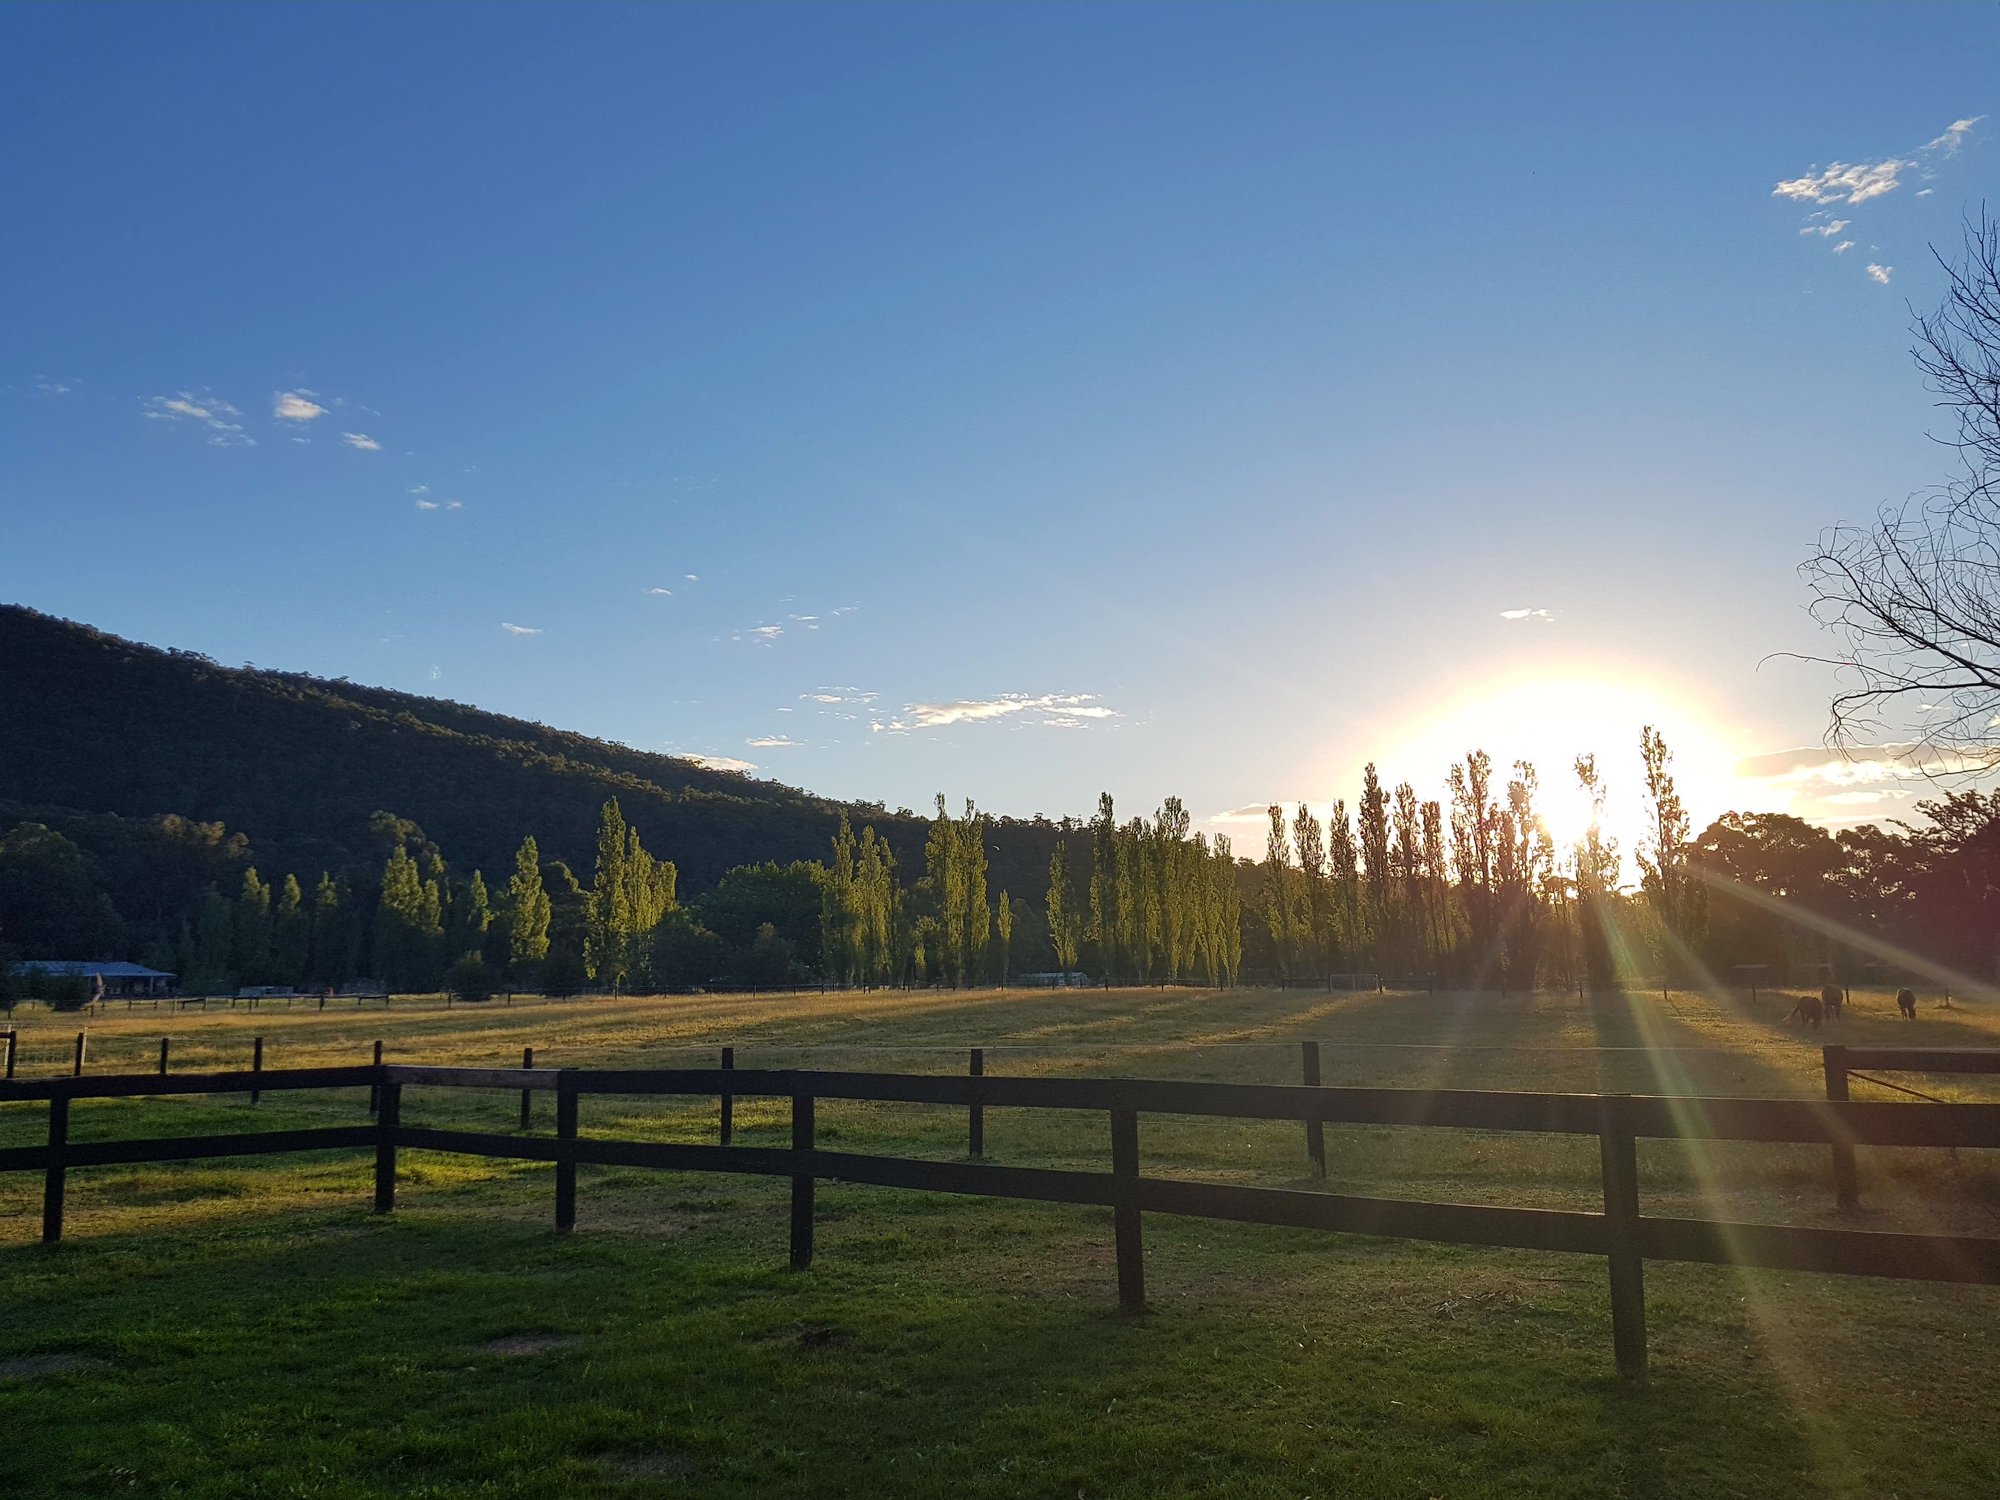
1155, 399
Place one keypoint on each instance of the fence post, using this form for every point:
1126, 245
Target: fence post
527, 1095
1125, 1213
565, 1151
976, 1143
802, 1184
163, 1057
10, 1051
256, 1066
1846, 1189
375, 1089
1619, 1153
77, 1070
728, 1099
389, 1115
54, 1177
1315, 1130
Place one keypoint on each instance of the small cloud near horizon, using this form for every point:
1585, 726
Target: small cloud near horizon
513, 629
771, 742
1547, 616
1073, 706
721, 763
361, 440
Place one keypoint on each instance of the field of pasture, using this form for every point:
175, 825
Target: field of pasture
249, 1327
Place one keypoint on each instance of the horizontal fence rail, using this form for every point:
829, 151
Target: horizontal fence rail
1621, 1234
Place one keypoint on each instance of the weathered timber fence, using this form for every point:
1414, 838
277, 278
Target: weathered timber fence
1621, 1233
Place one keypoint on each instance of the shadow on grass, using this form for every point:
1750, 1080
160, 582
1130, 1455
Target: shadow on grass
337, 1353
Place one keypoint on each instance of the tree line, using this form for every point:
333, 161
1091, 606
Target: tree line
1467, 890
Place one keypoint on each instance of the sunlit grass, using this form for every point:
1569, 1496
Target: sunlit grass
253, 1330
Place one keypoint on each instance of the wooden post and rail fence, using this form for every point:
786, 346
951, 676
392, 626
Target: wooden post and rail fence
1621, 1233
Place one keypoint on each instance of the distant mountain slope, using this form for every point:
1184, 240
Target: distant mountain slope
100, 724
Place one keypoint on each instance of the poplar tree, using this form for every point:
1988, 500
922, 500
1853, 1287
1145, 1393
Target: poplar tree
291, 936
527, 913
1596, 863
250, 951
1349, 936
608, 915
1107, 920
329, 951
1679, 902
471, 915
1061, 908
1372, 818
1314, 913
1280, 909
406, 921
840, 915
1003, 928
1474, 826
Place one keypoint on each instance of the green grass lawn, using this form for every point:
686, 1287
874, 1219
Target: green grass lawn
248, 1328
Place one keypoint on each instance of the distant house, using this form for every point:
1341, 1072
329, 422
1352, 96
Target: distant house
121, 979
1071, 979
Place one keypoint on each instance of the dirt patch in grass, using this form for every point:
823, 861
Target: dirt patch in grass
35, 1366
521, 1345
634, 1468
805, 1336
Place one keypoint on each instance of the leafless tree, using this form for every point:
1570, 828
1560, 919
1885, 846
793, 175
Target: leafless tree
1914, 597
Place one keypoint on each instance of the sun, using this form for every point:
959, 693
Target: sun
1549, 720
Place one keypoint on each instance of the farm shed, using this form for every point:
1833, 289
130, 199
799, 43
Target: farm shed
121, 979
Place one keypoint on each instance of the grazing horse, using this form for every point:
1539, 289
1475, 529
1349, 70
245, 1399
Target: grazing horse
1906, 1002
1831, 998
1808, 1010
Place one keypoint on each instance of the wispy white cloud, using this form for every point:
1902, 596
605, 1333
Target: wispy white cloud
48, 385
1880, 273
420, 489
1547, 616
512, 629
759, 635
663, 593
983, 710
427, 505
202, 410
360, 440
1250, 813
1954, 135
1843, 247
1827, 230
840, 695
721, 763
692, 577
771, 742
1846, 182
296, 406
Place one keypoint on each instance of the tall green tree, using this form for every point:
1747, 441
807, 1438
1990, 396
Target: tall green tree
1065, 929
250, 950
291, 934
1672, 886
1003, 929
527, 911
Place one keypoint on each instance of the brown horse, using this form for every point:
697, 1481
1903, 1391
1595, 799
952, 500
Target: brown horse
1906, 1002
1808, 1011
1832, 997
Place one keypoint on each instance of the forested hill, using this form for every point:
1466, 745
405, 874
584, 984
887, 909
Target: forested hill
103, 725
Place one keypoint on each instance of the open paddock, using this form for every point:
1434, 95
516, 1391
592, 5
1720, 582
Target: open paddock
246, 1326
